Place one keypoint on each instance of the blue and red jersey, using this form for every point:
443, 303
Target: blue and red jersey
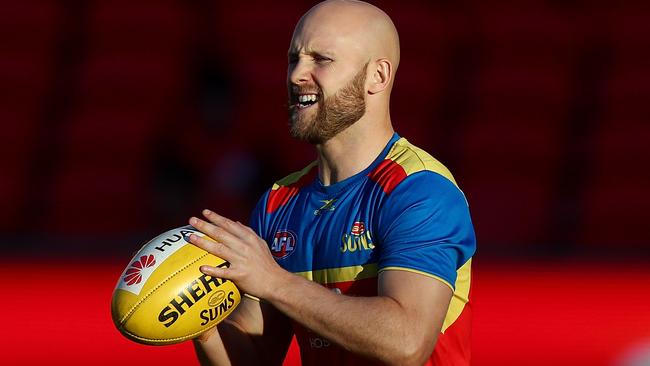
404, 212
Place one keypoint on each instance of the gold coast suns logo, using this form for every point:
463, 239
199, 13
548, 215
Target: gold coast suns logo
359, 239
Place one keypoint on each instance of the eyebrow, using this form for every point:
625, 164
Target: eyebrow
294, 53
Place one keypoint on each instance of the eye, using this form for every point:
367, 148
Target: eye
321, 59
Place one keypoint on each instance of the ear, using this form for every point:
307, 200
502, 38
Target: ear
382, 75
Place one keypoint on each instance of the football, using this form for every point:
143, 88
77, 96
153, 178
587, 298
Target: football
162, 297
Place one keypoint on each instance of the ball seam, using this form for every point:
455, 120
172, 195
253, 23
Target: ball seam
137, 304
175, 339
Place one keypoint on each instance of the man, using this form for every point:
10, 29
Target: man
365, 254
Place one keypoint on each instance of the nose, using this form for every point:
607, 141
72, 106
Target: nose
298, 72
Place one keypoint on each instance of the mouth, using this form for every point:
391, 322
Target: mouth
304, 101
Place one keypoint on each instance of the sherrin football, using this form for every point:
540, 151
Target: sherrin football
162, 297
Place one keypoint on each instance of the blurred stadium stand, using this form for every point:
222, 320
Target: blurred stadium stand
120, 119
124, 118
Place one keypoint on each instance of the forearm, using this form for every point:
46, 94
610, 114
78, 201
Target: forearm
376, 327
212, 348
254, 334
211, 351
399, 326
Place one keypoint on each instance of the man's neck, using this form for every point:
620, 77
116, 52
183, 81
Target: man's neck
351, 151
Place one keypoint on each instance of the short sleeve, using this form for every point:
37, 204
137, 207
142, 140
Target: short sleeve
425, 227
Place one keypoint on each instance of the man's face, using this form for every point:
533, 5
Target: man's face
326, 85
316, 118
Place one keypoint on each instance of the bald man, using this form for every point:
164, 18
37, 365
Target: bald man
365, 254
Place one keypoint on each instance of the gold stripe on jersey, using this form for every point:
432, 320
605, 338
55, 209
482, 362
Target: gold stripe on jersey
293, 177
461, 294
413, 159
342, 274
406, 269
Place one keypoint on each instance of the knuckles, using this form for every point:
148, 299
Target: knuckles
249, 236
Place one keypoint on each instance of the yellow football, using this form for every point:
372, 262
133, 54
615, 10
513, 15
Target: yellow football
162, 297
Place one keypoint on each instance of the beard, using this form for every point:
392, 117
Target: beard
333, 115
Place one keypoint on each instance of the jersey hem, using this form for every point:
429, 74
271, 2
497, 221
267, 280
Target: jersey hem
418, 272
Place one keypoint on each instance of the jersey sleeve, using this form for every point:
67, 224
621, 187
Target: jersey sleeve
425, 227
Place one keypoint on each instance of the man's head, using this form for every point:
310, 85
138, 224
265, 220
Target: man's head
342, 60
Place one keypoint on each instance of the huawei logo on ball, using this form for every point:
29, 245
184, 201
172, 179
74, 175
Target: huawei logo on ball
133, 274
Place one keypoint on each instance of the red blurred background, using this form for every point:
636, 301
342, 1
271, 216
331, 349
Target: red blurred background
120, 119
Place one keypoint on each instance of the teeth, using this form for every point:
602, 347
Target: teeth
307, 98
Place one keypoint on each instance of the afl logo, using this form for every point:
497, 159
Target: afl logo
284, 243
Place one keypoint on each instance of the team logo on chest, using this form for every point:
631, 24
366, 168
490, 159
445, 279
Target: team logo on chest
359, 239
284, 243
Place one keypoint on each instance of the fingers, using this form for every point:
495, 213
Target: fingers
210, 246
237, 229
215, 218
247, 231
218, 249
232, 241
218, 233
229, 239
217, 272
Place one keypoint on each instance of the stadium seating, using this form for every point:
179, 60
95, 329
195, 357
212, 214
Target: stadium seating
29, 38
97, 91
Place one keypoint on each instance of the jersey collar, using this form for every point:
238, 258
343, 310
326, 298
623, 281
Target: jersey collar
335, 188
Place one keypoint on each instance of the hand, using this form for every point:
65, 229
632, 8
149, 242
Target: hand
252, 267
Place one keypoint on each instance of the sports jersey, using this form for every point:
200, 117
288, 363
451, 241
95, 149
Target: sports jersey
403, 212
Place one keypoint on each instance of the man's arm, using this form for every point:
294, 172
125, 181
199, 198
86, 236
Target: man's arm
399, 326
254, 334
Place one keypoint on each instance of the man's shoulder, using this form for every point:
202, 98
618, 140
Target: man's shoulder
286, 188
298, 178
414, 159
402, 163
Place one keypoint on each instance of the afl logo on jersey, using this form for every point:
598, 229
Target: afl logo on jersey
284, 243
